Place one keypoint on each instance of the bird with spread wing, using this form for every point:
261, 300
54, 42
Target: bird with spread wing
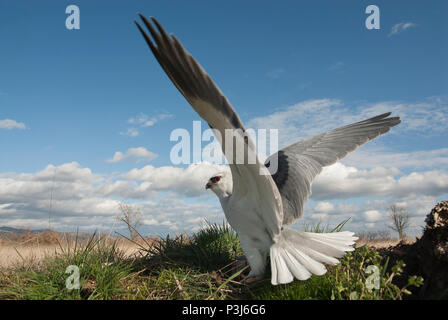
261, 199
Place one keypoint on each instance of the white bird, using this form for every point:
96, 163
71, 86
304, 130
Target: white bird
258, 205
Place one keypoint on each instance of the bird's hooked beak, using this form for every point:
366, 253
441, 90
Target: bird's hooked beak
208, 185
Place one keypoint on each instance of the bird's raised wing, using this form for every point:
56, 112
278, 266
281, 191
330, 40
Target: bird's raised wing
299, 163
190, 78
210, 103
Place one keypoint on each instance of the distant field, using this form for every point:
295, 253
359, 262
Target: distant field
28, 248
17, 255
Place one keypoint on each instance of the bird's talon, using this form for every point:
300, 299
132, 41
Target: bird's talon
251, 279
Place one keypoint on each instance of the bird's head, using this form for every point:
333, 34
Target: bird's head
220, 184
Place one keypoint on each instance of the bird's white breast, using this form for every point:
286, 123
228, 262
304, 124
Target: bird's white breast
245, 217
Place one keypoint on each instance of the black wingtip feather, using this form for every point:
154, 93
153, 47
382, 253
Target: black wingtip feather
151, 29
147, 39
162, 31
379, 117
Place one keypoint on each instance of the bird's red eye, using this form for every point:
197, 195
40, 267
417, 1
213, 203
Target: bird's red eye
216, 179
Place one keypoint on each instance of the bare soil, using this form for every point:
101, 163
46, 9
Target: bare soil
427, 256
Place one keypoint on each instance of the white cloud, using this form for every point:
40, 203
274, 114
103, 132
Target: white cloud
69, 180
362, 158
82, 198
324, 206
372, 215
429, 117
189, 181
299, 120
148, 181
132, 132
312, 117
319, 216
400, 27
339, 181
166, 195
69, 189
150, 222
142, 121
416, 204
9, 124
139, 154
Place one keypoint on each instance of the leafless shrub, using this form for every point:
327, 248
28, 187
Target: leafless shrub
383, 234
131, 216
400, 220
374, 235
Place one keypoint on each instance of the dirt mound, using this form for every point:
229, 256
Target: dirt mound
428, 256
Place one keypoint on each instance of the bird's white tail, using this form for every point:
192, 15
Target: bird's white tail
301, 254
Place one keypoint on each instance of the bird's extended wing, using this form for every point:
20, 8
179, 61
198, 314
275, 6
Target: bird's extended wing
299, 163
190, 78
210, 103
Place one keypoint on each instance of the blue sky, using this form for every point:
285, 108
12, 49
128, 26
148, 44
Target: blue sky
73, 98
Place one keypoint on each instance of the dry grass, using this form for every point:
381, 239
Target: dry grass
28, 237
30, 249
31, 255
382, 243
377, 243
379, 239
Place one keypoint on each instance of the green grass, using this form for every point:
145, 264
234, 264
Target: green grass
202, 266
319, 228
209, 249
